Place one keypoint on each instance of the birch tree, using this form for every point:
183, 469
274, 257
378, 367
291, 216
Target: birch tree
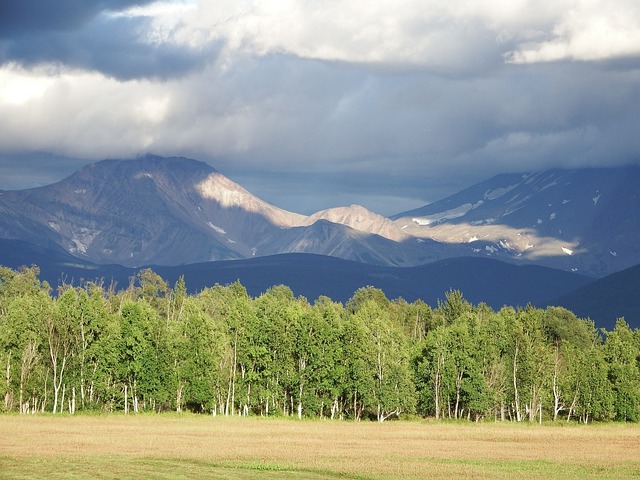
622, 352
22, 343
59, 324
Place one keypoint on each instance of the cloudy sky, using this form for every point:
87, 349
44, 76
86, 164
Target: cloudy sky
312, 104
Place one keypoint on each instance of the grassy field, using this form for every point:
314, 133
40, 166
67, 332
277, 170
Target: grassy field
189, 446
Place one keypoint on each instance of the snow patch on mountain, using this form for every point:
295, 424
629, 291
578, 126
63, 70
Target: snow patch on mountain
220, 230
79, 247
456, 212
143, 174
505, 244
498, 192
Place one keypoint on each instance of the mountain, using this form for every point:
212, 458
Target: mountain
173, 211
156, 210
480, 279
585, 220
606, 299
360, 218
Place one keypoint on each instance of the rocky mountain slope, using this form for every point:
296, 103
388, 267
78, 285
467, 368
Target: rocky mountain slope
585, 220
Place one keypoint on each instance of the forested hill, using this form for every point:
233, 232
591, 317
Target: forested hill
480, 279
153, 347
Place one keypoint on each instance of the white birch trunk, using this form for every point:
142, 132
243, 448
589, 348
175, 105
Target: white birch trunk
57, 377
235, 369
7, 395
436, 386
515, 384
557, 406
28, 360
64, 388
179, 398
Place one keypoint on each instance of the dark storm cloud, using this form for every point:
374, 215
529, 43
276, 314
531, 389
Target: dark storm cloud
19, 18
85, 38
112, 46
520, 117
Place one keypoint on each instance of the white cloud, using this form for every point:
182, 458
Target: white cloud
18, 86
75, 113
588, 30
409, 32
422, 33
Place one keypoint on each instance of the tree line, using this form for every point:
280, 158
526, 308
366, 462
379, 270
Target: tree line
153, 347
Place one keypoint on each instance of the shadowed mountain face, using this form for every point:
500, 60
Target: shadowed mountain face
606, 299
125, 212
585, 220
174, 211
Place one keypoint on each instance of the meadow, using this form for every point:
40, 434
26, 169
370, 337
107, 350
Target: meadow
205, 447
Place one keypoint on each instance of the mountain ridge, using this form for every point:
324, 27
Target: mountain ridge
310, 275
581, 220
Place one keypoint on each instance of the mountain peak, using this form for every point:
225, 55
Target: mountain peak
359, 218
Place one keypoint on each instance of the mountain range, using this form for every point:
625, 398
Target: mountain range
173, 211
567, 227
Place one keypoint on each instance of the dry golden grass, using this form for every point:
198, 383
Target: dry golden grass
189, 446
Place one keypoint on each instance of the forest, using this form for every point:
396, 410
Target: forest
154, 347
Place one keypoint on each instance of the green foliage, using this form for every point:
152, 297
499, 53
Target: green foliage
156, 348
622, 351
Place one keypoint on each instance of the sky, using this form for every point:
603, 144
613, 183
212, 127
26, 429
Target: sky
313, 104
